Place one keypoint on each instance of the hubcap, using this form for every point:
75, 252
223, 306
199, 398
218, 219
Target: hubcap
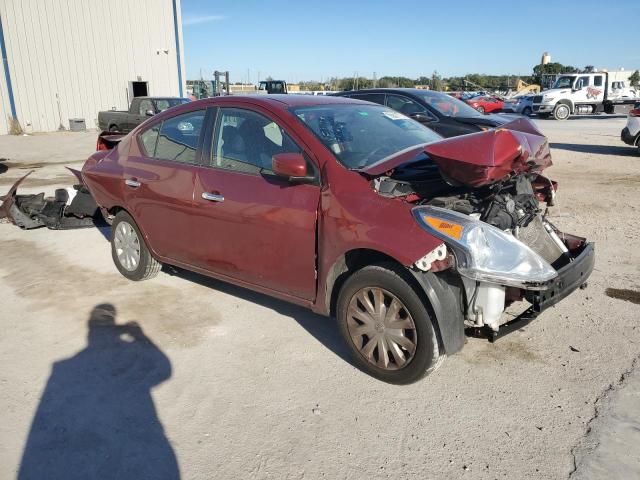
563, 111
381, 328
127, 246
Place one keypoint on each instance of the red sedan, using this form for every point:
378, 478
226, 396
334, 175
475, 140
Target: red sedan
486, 104
348, 208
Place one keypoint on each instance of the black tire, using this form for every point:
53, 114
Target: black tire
427, 357
114, 128
527, 111
480, 109
147, 266
561, 111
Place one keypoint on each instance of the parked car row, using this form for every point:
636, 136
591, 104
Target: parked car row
349, 208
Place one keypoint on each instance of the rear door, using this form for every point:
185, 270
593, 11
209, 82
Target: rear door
252, 225
159, 179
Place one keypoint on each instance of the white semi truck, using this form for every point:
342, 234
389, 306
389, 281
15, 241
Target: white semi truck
586, 93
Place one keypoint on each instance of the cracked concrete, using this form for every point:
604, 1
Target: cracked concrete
259, 388
609, 447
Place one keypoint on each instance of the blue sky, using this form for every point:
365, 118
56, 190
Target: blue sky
316, 40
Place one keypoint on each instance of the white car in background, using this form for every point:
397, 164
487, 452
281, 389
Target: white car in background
631, 133
521, 104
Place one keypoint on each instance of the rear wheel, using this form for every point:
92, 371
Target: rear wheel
386, 325
114, 128
561, 112
128, 250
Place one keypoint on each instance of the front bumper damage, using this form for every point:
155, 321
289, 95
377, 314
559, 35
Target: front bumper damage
570, 277
69, 208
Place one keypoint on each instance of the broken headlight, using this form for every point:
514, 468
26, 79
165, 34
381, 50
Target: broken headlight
486, 253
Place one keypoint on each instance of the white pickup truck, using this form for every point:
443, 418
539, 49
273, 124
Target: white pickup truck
586, 93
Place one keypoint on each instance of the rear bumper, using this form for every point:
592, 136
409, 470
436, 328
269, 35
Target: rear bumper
627, 137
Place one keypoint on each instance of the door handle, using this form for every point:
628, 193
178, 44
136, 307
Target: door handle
212, 197
132, 183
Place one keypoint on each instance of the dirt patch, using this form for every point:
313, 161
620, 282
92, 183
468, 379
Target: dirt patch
35, 165
627, 181
632, 296
180, 319
68, 180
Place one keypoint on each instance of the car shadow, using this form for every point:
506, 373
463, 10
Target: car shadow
96, 417
598, 149
323, 329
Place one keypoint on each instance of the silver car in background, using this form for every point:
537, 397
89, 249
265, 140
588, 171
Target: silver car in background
522, 104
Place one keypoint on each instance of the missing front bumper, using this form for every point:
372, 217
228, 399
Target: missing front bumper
570, 277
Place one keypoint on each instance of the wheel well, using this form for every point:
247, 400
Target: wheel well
345, 266
566, 102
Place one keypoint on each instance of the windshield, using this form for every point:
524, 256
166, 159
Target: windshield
361, 135
165, 103
448, 106
564, 82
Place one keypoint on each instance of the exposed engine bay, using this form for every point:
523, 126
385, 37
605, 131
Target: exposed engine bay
515, 203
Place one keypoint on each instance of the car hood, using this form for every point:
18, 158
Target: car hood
479, 158
491, 120
557, 91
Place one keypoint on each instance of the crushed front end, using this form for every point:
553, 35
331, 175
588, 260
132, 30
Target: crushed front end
485, 197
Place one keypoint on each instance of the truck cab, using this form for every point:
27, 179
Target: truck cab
585, 93
272, 86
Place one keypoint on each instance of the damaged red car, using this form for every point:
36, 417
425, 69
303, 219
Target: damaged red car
350, 209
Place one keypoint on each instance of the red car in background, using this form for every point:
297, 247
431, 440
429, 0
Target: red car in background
348, 208
486, 104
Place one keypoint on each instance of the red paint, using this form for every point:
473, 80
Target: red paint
489, 104
274, 236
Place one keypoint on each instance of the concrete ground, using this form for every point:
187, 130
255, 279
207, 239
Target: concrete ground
184, 376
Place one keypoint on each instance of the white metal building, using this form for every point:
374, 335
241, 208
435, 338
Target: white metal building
65, 59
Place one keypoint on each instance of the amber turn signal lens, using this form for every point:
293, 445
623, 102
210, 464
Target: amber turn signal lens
450, 229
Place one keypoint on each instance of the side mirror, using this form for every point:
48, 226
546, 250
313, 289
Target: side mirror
150, 113
291, 166
420, 117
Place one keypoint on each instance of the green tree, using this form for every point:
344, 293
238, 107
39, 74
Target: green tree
634, 79
436, 81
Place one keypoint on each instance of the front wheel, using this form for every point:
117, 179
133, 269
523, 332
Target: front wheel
561, 112
386, 325
480, 109
527, 111
128, 250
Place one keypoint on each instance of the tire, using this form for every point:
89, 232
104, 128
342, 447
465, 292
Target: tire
126, 241
561, 112
527, 111
415, 327
114, 128
480, 109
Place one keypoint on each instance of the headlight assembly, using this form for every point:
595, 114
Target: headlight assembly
486, 253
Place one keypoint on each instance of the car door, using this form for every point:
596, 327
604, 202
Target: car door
159, 180
252, 225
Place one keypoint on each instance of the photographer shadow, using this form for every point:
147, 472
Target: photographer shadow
96, 417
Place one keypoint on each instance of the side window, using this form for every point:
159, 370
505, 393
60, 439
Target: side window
144, 106
404, 105
148, 140
245, 141
178, 137
582, 82
369, 97
597, 81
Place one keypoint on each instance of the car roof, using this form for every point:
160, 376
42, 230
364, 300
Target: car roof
411, 91
281, 100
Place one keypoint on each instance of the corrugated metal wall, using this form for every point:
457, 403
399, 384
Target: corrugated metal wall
73, 58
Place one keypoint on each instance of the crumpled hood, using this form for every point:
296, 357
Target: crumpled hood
480, 158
